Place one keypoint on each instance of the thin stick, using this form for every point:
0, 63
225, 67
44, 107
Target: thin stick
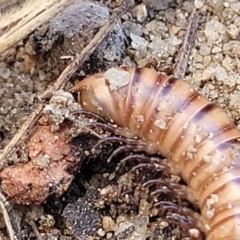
21, 18
63, 78
35, 230
181, 67
6, 3
20, 134
3, 203
87, 51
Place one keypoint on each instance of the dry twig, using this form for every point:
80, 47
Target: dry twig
4, 211
20, 19
189, 40
35, 230
20, 134
6, 3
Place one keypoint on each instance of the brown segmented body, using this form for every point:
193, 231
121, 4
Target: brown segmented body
196, 136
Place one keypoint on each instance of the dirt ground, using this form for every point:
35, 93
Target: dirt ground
91, 200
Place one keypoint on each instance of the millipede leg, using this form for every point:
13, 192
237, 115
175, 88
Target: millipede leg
144, 162
173, 188
107, 140
121, 149
116, 139
91, 115
104, 126
186, 217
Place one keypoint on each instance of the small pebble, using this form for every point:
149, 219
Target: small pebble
174, 30
206, 60
233, 31
227, 63
232, 48
198, 4
216, 49
204, 50
235, 7
5, 73
158, 5
109, 235
207, 74
215, 31
140, 13
108, 224
101, 232
220, 73
194, 232
138, 42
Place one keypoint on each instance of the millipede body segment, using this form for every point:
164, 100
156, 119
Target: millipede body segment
197, 137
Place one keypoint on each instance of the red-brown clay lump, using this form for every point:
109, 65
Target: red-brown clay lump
47, 172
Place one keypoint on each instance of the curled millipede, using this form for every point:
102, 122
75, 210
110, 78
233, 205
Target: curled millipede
197, 137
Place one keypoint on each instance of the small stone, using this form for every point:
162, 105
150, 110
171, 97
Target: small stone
188, 6
232, 48
199, 66
101, 232
29, 64
42, 161
138, 42
198, 4
140, 13
227, 63
5, 73
207, 74
156, 26
160, 123
195, 233
237, 21
109, 235
226, 4
199, 58
79, 16
197, 138
158, 5
203, 10
174, 30
233, 31
220, 73
170, 16
235, 7
116, 78
108, 224
214, 94
174, 41
215, 31
216, 49
206, 60
197, 75
164, 224
204, 50
18, 67
231, 81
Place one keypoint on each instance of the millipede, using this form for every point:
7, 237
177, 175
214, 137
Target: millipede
199, 140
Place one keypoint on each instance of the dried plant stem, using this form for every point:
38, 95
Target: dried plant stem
35, 230
18, 20
189, 40
4, 211
20, 134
